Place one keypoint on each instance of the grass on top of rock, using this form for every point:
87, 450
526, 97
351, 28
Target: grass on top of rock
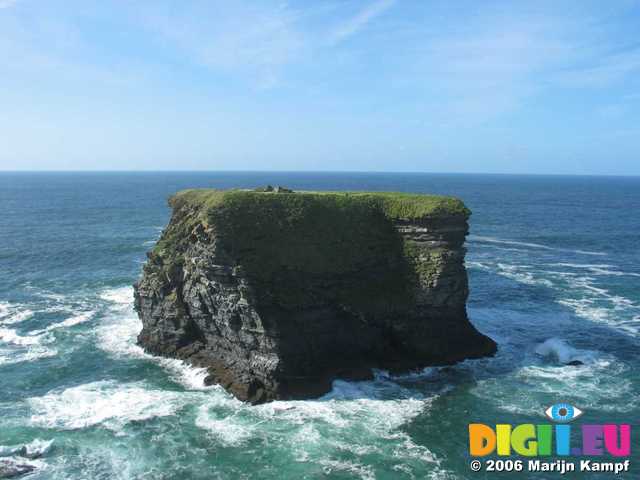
395, 205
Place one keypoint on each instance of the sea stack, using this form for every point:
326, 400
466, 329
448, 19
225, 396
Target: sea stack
278, 293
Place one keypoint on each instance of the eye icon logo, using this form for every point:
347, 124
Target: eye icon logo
563, 412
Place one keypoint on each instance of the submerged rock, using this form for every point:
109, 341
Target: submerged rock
575, 363
278, 295
10, 468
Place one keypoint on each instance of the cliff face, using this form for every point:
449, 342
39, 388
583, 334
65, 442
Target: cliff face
277, 294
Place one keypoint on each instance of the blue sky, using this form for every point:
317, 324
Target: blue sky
382, 85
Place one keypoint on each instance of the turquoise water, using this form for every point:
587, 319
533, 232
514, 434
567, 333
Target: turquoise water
554, 265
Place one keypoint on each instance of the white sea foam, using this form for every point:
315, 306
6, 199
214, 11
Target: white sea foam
581, 293
353, 416
120, 295
480, 238
365, 472
499, 241
16, 348
30, 355
69, 322
119, 331
478, 265
350, 404
599, 305
408, 449
12, 314
562, 351
223, 428
117, 334
584, 265
599, 269
107, 403
34, 449
72, 321
37, 448
8, 335
20, 316
601, 382
520, 274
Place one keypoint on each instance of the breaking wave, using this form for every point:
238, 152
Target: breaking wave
34, 449
107, 403
119, 331
561, 351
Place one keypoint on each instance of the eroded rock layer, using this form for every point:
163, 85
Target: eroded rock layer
277, 294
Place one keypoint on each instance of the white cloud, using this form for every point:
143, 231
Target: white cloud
362, 18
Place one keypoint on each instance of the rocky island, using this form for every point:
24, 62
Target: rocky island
278, 293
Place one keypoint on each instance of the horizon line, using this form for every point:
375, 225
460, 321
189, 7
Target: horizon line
390, 172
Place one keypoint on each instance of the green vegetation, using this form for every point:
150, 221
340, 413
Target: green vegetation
309, 248
394, 205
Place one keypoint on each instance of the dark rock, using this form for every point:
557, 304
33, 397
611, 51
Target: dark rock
10, 468
278, 295
575, 363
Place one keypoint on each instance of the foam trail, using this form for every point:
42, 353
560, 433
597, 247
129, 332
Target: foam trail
517, 273
10, 315
600, 269
8, 335
514, 272
31, 355
593, 302
599, 305
499, 241
23, 349
69, 322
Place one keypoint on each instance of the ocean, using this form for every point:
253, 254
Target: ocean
554, 267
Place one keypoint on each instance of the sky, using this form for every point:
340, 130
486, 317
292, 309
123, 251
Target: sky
545, 87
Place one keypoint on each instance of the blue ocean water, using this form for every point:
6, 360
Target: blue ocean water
554, 265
